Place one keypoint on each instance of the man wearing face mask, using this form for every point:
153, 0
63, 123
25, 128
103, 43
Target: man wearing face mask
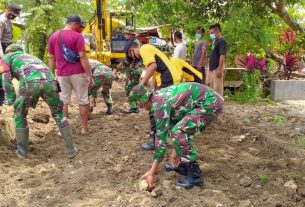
199, 57
157, 66
217, 59
6, 36
72, 75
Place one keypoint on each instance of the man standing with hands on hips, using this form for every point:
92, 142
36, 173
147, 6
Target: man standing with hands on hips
67, 54
6, 34
217, 59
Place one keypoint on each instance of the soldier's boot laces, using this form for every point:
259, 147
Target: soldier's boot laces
181, 169
193, 178
70, 149
22, 138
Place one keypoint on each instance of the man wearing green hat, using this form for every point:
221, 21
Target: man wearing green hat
35, 81
181, 111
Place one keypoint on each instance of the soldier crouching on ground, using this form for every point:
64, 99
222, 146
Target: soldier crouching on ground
133, 73
35, 80
181, 111
102, 77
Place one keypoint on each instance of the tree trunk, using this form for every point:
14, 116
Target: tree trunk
43, 45
280, 10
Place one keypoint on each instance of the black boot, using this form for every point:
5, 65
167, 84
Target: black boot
181, 169
133, 111
194, 176
109, 110
149, 146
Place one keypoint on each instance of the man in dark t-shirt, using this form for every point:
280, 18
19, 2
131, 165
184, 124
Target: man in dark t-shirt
217, 59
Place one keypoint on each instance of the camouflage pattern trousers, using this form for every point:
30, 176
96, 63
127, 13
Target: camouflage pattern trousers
103, 79
28, 96
133, 78
194, 123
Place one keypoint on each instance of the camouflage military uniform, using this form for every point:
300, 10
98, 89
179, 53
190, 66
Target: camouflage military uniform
133, 73
182, 111
35, 81
102, 77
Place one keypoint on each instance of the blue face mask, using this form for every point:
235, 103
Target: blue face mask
198, 36
212, 36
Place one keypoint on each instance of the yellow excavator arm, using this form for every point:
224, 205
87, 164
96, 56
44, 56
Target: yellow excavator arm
101, 28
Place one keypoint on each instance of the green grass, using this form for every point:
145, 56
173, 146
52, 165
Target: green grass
279, 120
300, 141
264, 177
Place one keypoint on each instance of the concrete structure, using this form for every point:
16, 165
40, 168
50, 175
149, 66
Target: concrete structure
287, 90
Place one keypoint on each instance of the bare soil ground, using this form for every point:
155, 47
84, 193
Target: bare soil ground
249, 158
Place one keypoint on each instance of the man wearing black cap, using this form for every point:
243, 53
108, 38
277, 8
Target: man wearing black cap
6, 36
73, 70
6, 26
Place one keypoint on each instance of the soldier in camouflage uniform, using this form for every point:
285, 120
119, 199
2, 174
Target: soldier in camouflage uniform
35, 81
102, 77
133, 74
181, 111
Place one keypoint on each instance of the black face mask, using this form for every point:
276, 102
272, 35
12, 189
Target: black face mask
11, 16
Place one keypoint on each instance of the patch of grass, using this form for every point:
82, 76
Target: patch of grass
279, 120
252, 89
300, 141
264, 177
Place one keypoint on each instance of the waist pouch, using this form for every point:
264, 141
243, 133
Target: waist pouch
69, 55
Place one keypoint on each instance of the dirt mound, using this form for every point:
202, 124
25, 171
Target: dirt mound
6, 129
239, 170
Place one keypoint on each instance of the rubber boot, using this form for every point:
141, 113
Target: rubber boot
70, 150
109, 110
193, 178
22, 138
149, 146
181, 169
133, 111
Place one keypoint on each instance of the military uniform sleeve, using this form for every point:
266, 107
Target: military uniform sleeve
147, 55
8, 87
162, 118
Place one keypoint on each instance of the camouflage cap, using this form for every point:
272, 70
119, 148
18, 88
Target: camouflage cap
140, 94
13, 48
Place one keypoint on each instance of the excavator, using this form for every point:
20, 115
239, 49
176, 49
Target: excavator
105, 34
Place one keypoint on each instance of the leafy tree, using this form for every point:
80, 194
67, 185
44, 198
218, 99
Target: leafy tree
43, 17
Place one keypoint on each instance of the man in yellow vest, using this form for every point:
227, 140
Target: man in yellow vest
157, 66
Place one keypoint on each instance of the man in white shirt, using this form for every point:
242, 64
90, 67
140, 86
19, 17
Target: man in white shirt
180, 50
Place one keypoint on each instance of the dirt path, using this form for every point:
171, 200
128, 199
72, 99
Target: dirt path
110, 162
